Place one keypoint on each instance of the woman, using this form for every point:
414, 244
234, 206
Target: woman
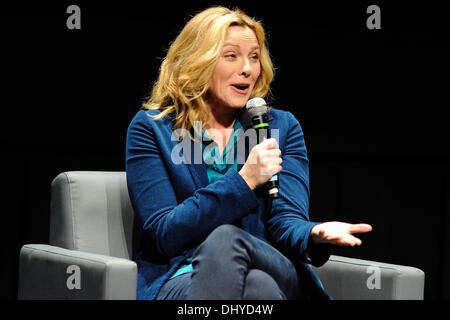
209, 232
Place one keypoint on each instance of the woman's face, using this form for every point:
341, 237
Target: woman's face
237, 69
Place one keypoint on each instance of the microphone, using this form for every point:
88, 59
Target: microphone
257, 110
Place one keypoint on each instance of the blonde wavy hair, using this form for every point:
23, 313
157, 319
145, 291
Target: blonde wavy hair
185, 73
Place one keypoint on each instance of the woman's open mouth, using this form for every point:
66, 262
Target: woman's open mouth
241, 88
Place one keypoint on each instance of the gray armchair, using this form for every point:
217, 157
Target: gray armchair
92, 239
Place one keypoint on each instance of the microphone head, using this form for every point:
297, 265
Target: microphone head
256, 107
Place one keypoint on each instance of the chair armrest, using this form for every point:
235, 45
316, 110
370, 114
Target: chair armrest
48, 272
356, 279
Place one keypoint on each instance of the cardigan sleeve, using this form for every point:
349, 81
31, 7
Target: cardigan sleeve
171, 227
289, 226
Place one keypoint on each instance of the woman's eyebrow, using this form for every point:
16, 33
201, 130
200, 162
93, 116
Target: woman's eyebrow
256, 47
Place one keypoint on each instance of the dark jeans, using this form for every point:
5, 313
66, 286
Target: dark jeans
231, 264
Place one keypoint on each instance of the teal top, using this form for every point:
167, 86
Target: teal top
216, 166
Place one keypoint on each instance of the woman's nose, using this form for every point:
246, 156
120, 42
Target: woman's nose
246, 68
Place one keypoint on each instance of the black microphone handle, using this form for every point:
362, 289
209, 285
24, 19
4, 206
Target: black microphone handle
260, 124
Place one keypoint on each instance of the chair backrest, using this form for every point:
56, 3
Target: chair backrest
91, 211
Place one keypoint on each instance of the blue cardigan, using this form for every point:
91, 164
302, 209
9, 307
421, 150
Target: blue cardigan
176, 208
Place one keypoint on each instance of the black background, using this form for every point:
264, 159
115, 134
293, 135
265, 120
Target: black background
372, 104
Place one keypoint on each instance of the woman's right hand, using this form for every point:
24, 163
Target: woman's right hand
262, 163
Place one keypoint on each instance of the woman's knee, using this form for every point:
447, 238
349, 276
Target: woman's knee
222, 243
223, 235
259, 285
226, 231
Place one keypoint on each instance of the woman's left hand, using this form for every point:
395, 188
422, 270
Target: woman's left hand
339, 233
